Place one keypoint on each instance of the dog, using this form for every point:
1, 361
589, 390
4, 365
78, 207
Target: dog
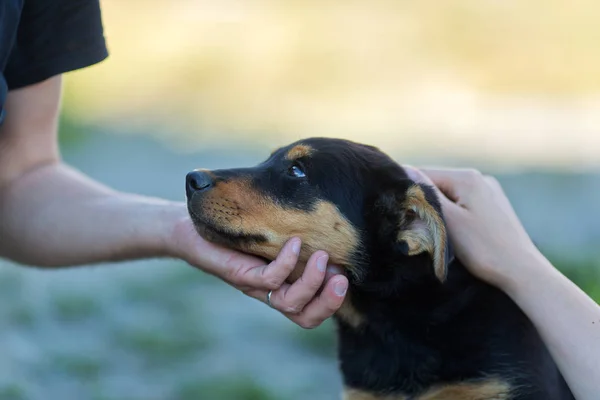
415, 324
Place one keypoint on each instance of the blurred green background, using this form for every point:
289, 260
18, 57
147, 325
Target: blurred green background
509, 87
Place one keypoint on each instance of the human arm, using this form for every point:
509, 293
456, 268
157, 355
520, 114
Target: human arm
54, 216
491, 241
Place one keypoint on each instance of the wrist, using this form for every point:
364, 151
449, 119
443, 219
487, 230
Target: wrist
172, 217
153, 222
525, 272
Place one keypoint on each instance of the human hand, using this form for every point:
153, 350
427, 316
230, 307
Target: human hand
487, 235
309, 301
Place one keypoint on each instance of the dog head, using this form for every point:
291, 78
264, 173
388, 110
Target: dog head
348, 199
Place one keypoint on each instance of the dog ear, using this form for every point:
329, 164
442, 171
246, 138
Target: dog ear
422, 228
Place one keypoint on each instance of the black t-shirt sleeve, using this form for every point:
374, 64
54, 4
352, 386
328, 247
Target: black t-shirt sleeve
55, 37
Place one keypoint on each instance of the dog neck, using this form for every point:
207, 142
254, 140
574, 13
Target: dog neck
410, 292
389, 330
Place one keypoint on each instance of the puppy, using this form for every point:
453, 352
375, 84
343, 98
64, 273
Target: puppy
415, 325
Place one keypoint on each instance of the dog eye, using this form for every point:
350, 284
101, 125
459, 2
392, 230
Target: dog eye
297, 171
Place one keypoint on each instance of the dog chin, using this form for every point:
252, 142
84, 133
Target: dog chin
213, 234
223, 237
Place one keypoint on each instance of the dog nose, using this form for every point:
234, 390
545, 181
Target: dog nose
197, 181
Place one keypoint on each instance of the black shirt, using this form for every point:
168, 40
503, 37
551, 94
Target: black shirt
43, 38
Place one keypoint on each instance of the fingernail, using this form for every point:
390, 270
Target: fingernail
296, 247
322, 263
411, 172
340, 288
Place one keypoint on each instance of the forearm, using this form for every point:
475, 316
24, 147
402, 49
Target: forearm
55, 216
567, 319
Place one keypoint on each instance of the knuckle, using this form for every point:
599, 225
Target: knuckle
292, 309
311, 284
314, 286
308, 324
273, 282
289, 262
245, 290
472, 178
473, 174
272, 279
236, 278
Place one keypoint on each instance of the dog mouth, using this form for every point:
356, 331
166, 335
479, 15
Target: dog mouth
223, 236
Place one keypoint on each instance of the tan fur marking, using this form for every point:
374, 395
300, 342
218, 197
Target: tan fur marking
237, 208
488, 390
427, 232
348, 313
299, 151
354, 394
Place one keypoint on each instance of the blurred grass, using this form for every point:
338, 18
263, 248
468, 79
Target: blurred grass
179, 277
21, 315
12, 392
236, 388
180, 338
584, 273
11, 283
320, 341
72, 131
162, 332
74, 307
79, 367
169, 292
159, 349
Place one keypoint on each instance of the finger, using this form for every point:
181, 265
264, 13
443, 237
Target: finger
448, 181
296, 296
213, 258
419, 177
323, 306
493, 182
460, 185
272, 275
262, 295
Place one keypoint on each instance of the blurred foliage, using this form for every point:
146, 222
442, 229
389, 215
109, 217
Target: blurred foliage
161, 348
163, 333
169, 293
11, 284
158, 348
584, 273
21, 315
79, 367
71, 131
320, 341
12, 392
233, 388
74, 307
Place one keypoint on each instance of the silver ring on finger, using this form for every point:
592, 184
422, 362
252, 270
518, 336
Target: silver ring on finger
269, 298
